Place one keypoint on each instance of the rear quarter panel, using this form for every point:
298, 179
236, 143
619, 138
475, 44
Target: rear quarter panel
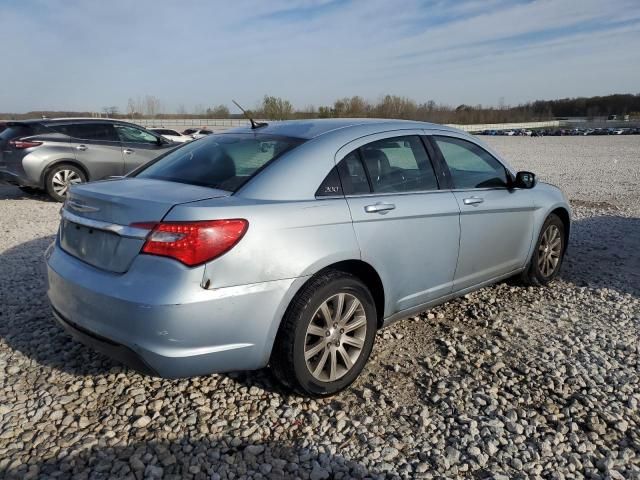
57, 148
285, 239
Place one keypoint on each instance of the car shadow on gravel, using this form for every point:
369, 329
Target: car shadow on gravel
603, 253
8, 192
188, 458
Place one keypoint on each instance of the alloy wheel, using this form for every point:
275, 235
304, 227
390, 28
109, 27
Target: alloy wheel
335, 337
549, 250
63, 179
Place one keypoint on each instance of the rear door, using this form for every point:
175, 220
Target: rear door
140, 146
496, 222
96, 147
407, 228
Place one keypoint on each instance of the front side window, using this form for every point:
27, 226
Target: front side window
225, 161
399, 164
133, 134
470, 165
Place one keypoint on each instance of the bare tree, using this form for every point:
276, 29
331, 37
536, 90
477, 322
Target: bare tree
132, 108
151, 105
276, 108
182, 110
219, 111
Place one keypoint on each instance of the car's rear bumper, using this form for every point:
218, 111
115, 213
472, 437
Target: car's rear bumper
202, 332
104, 345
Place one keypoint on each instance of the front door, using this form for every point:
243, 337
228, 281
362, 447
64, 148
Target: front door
496, 222
139, 146
407, 228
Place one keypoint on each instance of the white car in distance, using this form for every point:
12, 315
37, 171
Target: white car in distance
172, 135
196, 133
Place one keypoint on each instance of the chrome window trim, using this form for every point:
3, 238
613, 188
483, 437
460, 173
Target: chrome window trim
121, 230
391, 194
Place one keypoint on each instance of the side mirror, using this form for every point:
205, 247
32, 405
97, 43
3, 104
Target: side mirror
524, 180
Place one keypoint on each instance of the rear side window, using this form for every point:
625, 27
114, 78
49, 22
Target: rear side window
353, 176
219, 161
89, 131
470, 165
18, 131
347, 178
399, 164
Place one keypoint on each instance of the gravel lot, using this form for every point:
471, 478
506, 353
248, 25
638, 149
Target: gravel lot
508, 382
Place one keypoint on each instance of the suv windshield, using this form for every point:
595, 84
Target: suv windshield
224, 161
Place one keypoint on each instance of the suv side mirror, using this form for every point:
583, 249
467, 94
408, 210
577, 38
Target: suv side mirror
524, 180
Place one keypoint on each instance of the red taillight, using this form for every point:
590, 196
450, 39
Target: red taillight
20, 144
193, 243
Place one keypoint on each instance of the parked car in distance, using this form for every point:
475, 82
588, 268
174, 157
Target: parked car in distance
170, 134
54, 154
196, 133
292, 243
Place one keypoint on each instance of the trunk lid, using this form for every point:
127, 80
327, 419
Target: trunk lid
96, 217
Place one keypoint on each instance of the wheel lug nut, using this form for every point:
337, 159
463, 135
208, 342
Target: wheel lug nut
342, 330
327, 333
335, 325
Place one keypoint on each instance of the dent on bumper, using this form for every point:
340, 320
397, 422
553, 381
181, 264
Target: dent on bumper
212, 331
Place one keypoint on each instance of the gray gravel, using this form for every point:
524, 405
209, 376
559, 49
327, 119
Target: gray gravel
507, 382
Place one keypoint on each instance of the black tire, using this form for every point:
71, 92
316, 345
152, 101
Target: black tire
51, 174
533, 275
288, 357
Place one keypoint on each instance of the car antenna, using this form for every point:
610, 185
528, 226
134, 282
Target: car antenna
254, 124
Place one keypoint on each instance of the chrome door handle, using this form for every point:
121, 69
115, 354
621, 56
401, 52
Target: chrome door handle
128, 151
379, 208
81, 147
473, 201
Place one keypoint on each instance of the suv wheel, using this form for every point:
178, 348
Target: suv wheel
60, 178
548, 254
326, 335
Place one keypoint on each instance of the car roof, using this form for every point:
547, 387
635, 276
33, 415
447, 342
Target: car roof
309, 129
63, 120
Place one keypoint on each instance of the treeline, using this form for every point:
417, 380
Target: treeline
617, 104
387, 106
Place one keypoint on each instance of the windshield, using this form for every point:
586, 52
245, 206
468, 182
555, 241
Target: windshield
224, 161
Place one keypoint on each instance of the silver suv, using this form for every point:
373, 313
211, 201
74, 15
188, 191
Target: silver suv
53, 154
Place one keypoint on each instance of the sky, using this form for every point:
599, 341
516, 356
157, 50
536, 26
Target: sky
87, 54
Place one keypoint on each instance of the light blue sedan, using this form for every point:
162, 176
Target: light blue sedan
291, 244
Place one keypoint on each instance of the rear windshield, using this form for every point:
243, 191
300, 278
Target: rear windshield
15, 131
224, 161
